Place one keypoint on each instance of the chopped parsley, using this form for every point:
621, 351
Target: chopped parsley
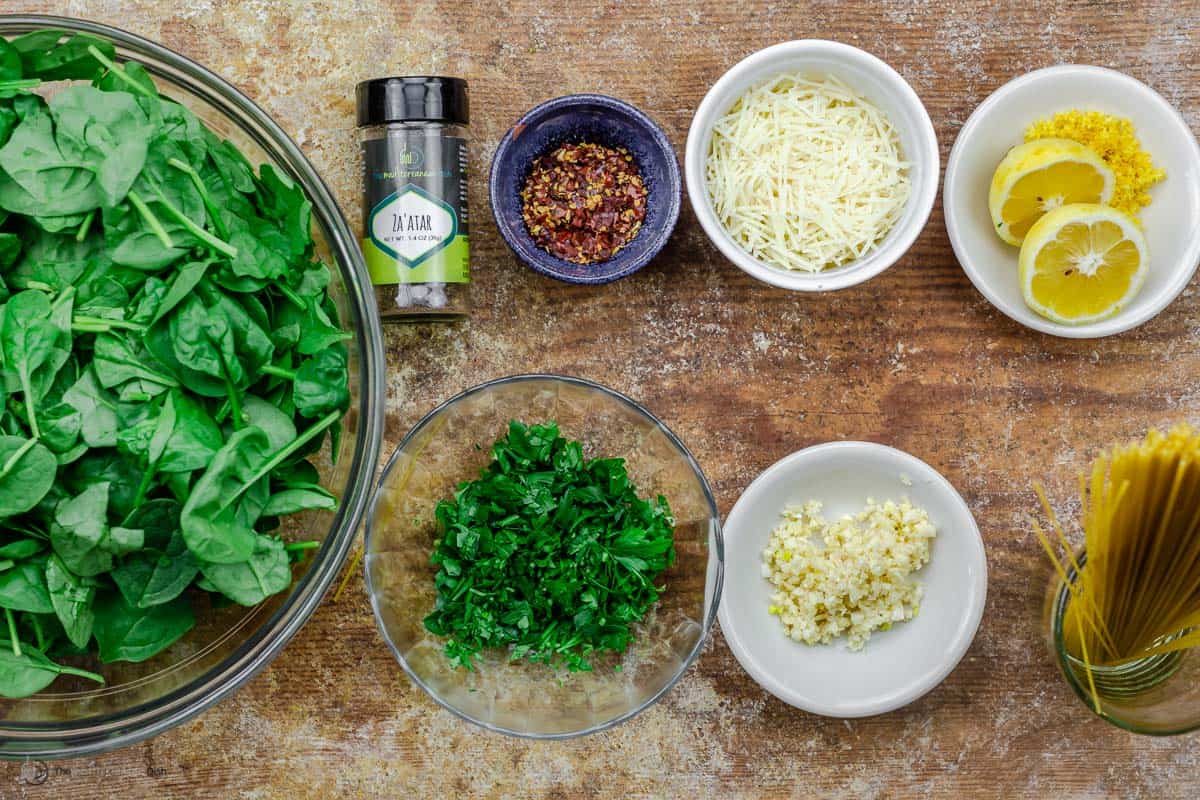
547, 554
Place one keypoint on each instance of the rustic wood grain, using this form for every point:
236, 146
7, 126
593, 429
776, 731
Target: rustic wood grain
744, 373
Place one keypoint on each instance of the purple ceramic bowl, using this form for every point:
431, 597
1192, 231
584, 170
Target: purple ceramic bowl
594, 118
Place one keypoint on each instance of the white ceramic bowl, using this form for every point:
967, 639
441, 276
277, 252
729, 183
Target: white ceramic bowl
897, 666
1172, 234
876, 81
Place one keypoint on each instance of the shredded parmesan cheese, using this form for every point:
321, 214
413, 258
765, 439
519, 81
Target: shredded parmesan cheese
805, 174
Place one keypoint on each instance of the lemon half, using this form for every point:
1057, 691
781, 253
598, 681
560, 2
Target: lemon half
1039, 176
1082, 263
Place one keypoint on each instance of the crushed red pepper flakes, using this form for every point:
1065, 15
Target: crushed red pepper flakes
584, 202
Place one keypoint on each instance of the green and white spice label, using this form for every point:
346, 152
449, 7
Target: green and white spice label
416, 230
410, 225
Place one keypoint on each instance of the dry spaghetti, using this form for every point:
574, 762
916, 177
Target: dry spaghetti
1138, 592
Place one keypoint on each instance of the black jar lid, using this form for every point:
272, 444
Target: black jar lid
423, 98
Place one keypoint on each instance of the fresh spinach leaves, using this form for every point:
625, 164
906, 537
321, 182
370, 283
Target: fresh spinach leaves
169, 359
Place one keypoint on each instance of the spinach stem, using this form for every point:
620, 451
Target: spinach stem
144, 484
311, 544
254, 571
119, 72
278, 372
152, 222
37, 632
235, 403
20, 83
12, 632
183, 219
235, 406
64, 297
145, 373
311, 432
198, 182
16, 456
292, 297
101, 324
27, 391
41, 287
82, 233
83, 673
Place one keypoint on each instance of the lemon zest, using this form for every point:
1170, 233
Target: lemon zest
1113, 139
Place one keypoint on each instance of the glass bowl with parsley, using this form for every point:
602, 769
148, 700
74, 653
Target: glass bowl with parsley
191, 388
544, 556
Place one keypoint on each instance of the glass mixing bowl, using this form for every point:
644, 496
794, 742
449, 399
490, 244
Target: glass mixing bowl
453, 444
229, 645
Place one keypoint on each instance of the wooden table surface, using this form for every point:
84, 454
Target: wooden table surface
743, 373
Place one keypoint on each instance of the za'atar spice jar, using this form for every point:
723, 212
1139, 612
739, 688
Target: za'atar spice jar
415, 224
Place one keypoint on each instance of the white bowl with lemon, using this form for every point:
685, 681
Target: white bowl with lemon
1047, 230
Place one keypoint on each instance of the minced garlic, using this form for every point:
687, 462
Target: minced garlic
1113, 139
858, 581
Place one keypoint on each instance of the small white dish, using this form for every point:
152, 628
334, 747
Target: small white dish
897, 666
876, 81
1172, 235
